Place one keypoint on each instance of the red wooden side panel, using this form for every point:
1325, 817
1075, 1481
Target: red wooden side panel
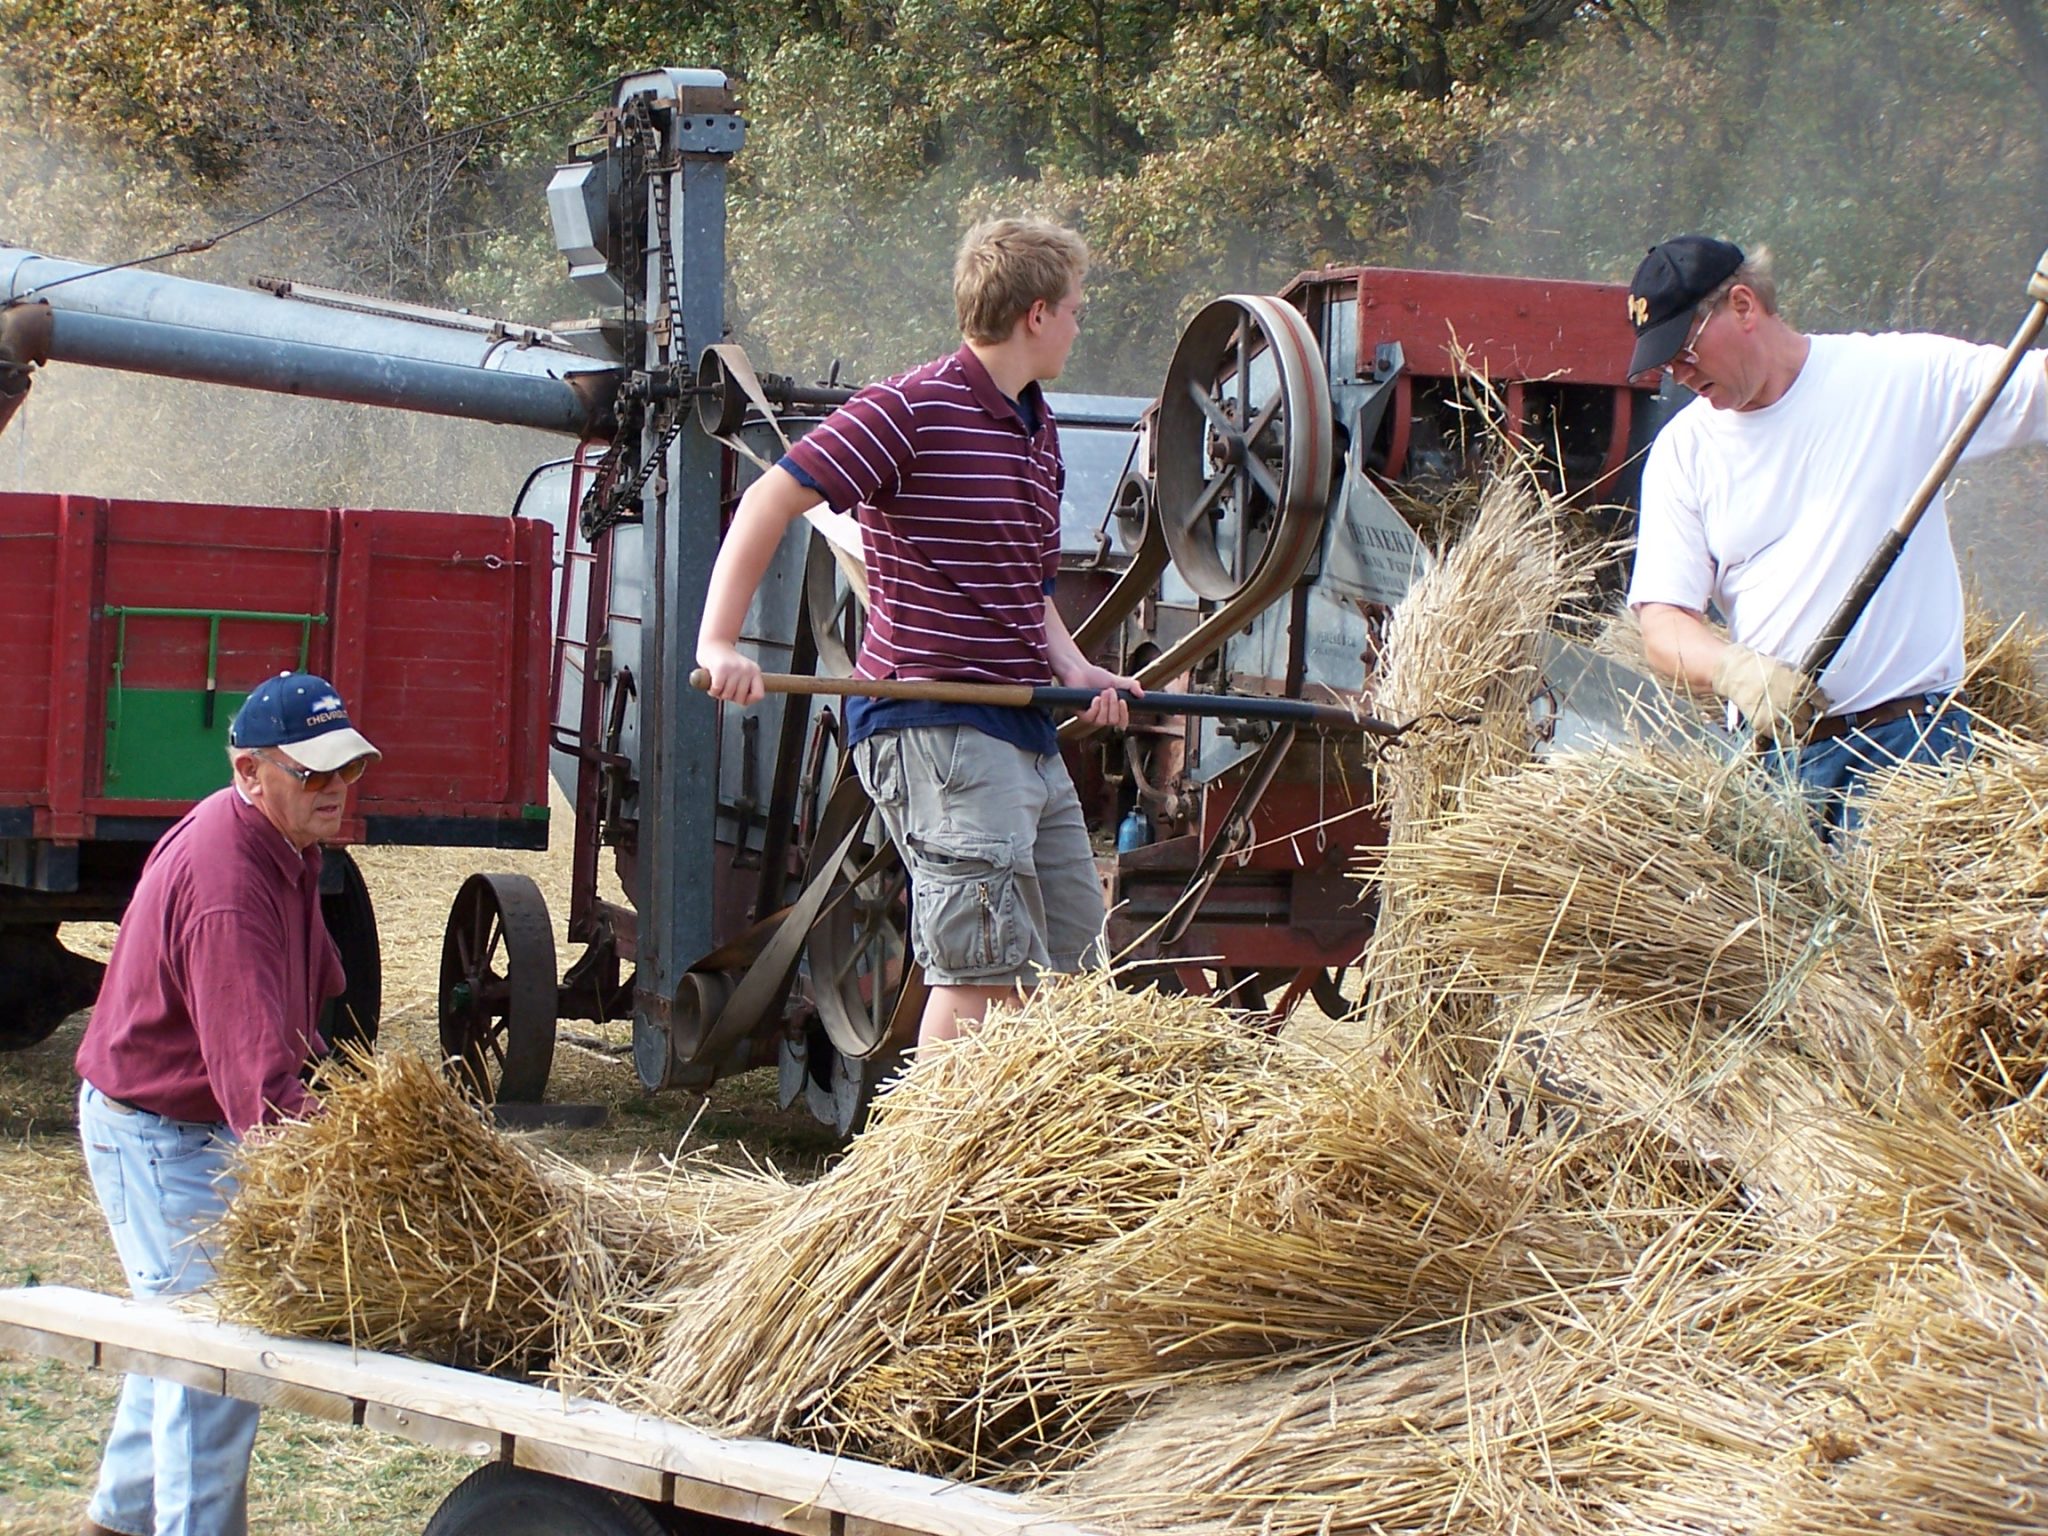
1509, 327
28, 596
443, 623
238, 559
435, 626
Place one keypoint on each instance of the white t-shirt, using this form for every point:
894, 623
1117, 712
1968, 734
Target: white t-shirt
1773, 513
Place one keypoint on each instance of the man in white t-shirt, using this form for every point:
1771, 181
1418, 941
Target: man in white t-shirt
1766, 496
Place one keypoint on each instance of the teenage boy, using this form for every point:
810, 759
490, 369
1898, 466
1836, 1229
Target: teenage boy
953, 471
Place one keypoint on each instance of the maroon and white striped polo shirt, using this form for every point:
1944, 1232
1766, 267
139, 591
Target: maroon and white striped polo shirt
958, 502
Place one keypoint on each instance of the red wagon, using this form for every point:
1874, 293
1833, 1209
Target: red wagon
130, 631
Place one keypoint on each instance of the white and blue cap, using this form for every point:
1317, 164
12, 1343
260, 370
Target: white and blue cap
304, 715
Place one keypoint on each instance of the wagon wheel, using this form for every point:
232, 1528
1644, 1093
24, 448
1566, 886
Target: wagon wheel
502, 1500
41, 984
352, 1018
498, 989
1246, 442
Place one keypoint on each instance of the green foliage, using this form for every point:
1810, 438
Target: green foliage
1878, 146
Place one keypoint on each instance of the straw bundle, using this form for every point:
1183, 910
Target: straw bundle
2004, 677
1468, 641
1361, 1208
1466, 645
1958, 847
398, 1219
1516, 1431
878, 1310
1983, 1003
1649, 876
1955, 1376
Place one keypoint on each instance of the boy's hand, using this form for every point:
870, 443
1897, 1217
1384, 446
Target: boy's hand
1108, 708
734, 678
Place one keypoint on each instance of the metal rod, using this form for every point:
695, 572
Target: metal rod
1832, 636
1219, 706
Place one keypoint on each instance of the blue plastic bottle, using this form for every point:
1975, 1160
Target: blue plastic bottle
1135, 830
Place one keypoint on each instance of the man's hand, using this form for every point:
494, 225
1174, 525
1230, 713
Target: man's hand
1108, 707
734, 678
1778, 702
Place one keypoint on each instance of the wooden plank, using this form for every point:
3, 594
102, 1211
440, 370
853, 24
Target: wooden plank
132, 1361
431, 1429
30, 1343
704, 1498
786, 1479
253, 1387
584, 1467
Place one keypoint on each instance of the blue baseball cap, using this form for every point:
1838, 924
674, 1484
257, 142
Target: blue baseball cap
303, 714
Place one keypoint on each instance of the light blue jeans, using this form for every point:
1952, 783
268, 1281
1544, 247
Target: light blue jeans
1832, 774
177, 1458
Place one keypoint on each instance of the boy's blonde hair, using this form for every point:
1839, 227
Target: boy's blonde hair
1005, 266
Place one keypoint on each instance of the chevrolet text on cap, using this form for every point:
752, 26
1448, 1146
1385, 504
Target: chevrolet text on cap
1668, 287
303, 714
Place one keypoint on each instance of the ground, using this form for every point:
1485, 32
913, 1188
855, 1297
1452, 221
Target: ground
310, 1476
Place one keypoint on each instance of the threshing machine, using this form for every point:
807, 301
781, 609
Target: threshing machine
1233, 535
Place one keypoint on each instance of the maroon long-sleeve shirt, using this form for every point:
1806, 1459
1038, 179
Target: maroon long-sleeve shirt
211, 1002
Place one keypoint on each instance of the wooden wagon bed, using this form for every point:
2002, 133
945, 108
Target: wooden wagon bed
757, 1482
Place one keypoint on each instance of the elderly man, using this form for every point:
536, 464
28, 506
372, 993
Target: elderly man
204, 1023
1770, 491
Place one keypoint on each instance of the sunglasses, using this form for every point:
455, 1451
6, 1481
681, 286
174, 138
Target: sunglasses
317, 779
1686, 356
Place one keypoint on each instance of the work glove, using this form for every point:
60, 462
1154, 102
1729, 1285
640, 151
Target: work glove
1779, 703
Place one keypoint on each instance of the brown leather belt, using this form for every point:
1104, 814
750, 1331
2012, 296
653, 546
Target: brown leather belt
1830, 726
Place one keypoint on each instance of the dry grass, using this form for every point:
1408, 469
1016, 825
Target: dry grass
2004, 676
884, 1309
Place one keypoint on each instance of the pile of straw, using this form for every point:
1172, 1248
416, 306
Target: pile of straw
398, 1219
885, 1308
1360, 1210
1464, 652
2004, 674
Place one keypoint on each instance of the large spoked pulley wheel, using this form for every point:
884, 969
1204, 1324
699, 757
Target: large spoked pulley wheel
498, 989
1246, 442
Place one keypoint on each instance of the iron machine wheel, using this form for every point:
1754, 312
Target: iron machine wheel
1246, 442
501, 1500
353, 1017
865, 986
498, 989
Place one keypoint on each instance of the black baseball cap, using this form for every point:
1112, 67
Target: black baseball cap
1667, 290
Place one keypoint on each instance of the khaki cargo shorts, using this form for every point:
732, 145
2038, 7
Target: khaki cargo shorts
1002, 878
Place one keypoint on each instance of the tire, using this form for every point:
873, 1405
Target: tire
352, 1018
41, 985
498, 1500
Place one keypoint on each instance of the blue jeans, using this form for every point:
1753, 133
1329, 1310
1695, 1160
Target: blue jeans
177, 1458
1833, 774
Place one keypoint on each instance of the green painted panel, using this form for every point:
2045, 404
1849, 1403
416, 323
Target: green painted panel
159, 746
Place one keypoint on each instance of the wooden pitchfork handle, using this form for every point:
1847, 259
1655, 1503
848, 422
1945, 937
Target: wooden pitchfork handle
1227, 706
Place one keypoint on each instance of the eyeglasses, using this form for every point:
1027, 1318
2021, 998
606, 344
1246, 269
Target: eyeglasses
1687, 356
317, 779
